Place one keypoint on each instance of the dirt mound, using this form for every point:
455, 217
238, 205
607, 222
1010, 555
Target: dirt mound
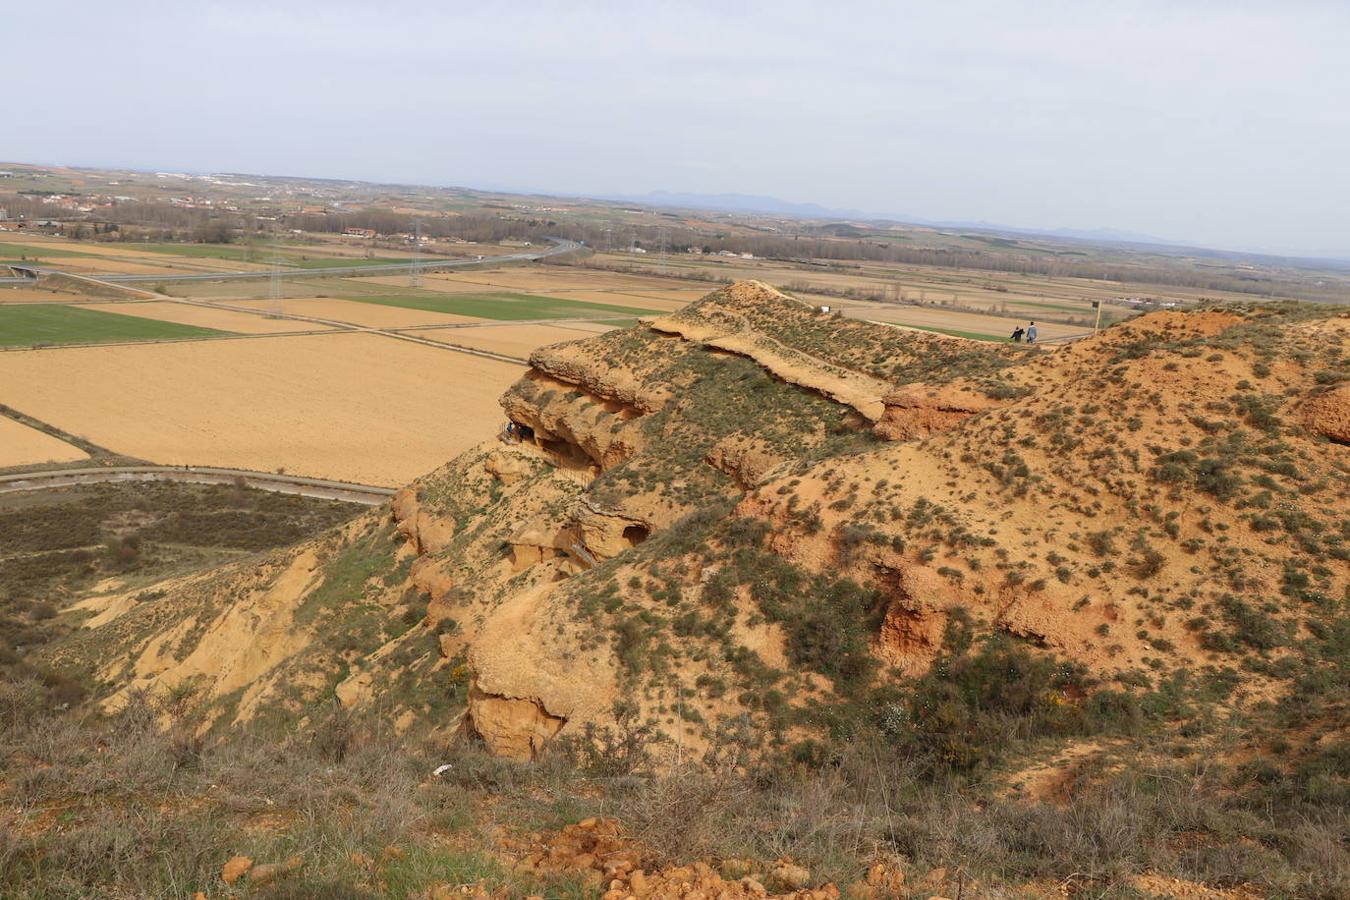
917, 410
1328, 413
610, 862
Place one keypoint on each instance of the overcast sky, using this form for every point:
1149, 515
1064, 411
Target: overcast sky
1220, 123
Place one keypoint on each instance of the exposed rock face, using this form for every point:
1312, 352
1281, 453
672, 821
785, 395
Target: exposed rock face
575, 425
514, 727
1328, 414
426, 533
540, 540
570, 364
607, 534
743, 458
911, 632
508, 468
429, 577
731, 333
917, 410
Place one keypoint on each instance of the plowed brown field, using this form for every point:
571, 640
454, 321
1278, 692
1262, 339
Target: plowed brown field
223, 319
357, 407
24, 446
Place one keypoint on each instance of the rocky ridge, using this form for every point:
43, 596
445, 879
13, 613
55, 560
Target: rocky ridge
717, 522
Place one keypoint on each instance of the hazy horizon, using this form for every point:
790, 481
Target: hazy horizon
1196, 122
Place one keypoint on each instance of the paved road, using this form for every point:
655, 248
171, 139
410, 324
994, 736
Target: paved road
321, 488
559, 247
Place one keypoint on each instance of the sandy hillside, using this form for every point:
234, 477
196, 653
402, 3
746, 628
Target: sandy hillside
24, 446
223, 319
349, 406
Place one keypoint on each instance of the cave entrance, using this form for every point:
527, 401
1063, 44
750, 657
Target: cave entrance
635, 534
564, 453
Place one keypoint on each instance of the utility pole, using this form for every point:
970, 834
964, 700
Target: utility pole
275, 307
415, 278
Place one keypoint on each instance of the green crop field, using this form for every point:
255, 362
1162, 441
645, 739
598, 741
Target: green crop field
504, 306
30, 324
31, 252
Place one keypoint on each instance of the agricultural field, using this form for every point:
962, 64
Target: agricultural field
23, 293
21, 445
203, 317
27, 325
356, 407
515, 340
504, 306
971, 325
583, 284
228, 320
15, 251
951, 300
365, 315
260, 253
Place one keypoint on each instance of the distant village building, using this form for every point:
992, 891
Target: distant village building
358, 232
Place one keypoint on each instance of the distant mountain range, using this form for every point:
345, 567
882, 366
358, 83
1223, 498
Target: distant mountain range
741, 203
772, 206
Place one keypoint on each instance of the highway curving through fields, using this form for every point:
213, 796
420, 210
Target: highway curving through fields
319, 488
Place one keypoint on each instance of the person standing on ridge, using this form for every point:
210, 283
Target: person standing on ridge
1017, 335
1031, 333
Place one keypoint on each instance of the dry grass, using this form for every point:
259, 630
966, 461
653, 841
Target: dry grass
130, 808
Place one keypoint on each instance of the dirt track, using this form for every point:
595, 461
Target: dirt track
369, 495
